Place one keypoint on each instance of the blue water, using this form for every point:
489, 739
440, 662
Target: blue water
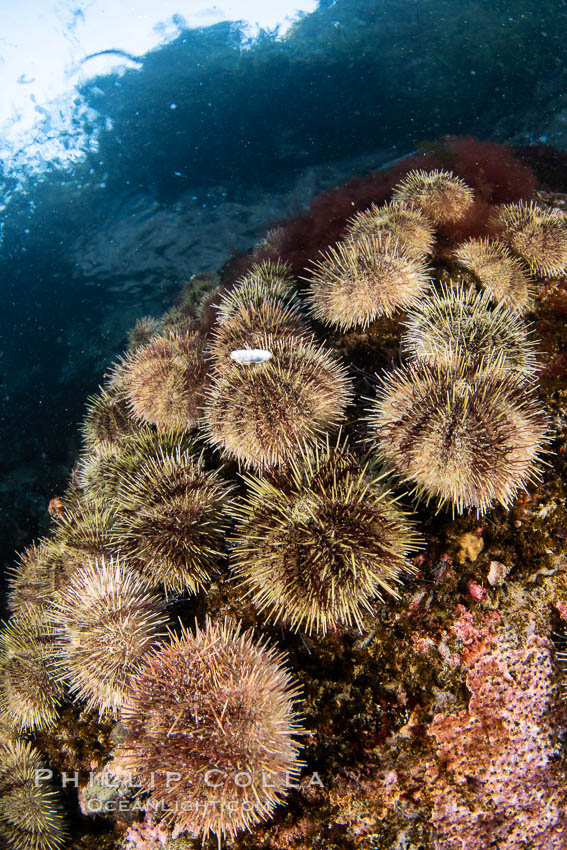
190, 154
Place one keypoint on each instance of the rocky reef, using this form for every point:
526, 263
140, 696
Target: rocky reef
307, 586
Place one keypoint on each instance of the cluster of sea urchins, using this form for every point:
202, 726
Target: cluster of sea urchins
317, 537
460, 421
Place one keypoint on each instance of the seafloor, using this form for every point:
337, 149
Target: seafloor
439, 723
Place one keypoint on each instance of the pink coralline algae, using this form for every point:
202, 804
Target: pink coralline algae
146, 835
497, 781
476, 591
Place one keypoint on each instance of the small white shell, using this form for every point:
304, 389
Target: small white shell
247, 356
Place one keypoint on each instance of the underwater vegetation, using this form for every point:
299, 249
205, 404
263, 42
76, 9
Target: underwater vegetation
307, 595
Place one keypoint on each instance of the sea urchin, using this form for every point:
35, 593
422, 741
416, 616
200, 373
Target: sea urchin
29, 693
458, 322
443, 197
317, 542
210, 728
404, 222
30, 814
537, 235
171, 520
363, 279
162, 381
262, 414
464, 435
104, 620
499, 273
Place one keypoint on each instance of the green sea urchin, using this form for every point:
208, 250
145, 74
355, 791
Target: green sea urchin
162, 381
105, 620
271, 242
262, 414
500, 274
29, 693
406, 223
99, 473
30, 580
43, 569
210, 728
362, 280
145, 328
85, 529
456, 322
316, 543
246, 327
537, 235
443, 197
30, 813
465, 436
267, 280
108, 421
171, 521
178, 320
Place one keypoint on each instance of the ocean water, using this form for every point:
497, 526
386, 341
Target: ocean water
152, 164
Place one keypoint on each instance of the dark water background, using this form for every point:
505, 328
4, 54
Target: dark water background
252, 134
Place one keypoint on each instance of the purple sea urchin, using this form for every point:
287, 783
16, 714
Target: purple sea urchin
465, 436
537, 235
210, 728
171, 521
30, 814
456, 322
162, 381
316, 543
404, 222
362, 280
29, 693
500, 274
262, 414
105, 620
443, 197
